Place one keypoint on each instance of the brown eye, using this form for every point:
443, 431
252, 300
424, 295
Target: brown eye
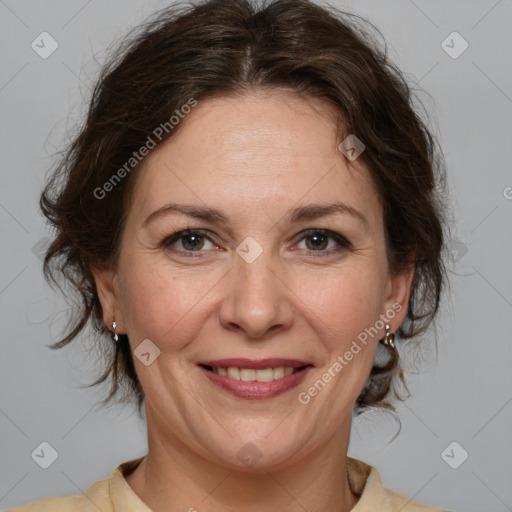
188, 241
317, 242
192, 242
324, 242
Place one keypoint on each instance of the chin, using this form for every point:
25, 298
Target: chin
253, 454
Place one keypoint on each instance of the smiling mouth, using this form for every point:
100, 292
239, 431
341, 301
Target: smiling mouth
254, 379
254, 375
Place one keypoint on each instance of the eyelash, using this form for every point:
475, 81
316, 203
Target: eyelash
342, 242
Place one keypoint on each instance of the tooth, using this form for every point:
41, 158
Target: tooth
265, 375
278, 372
247, 374
234, 373
250, 374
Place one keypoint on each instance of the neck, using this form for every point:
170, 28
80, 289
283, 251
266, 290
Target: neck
173, 478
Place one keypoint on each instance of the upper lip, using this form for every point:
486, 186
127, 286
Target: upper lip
256, 364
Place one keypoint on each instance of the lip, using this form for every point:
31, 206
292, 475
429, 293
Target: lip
255, 364
255, 390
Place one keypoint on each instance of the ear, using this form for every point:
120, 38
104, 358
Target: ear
398, 291
107, 289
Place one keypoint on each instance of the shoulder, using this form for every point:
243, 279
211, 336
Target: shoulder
365, 481
97, 495
106, 495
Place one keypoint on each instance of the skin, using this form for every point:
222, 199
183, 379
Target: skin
255, 158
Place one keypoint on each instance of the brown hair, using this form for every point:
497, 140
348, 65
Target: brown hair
227, 47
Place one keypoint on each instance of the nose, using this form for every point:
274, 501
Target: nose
258, 301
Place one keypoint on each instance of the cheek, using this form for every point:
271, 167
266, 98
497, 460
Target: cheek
344, 303
341, 305
161, 304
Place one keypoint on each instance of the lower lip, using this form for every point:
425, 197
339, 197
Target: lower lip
255, 390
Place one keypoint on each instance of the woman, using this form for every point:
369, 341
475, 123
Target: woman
249, 209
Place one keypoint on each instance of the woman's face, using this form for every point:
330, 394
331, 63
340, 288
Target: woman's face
282, 271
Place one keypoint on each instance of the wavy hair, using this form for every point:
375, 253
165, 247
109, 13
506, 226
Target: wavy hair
229, 47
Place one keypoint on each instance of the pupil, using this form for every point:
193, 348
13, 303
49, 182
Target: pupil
318, 241
193, 242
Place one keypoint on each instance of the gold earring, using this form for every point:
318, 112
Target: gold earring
389, 338
116, 337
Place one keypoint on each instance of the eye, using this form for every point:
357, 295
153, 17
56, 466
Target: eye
190, 240
323, 241
318, 242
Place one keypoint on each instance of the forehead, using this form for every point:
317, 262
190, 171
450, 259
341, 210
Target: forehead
261, 150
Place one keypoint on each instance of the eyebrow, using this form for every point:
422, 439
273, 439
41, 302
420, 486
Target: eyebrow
300, 214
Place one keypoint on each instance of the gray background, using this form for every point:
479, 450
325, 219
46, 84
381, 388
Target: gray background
465, 396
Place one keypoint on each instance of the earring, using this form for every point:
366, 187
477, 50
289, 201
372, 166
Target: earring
116, 337
389, 338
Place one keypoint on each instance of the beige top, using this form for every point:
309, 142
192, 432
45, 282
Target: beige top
115, 495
